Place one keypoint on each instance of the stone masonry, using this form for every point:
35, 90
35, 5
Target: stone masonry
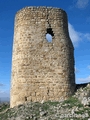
41, 70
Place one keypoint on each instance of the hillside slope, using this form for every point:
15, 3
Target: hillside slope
76, 107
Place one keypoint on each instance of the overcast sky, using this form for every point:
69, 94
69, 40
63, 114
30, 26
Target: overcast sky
78, 12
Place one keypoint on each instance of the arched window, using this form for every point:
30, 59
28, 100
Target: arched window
49, 34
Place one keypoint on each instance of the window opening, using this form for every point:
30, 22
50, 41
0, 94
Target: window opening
49, 34
25, 98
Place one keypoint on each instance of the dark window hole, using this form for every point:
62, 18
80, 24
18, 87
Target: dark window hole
49, 34
25, 98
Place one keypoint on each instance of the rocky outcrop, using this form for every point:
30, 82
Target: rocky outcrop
83, 94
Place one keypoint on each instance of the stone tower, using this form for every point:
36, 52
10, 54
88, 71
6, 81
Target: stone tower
41, 70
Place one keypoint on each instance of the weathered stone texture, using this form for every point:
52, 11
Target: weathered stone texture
41, 70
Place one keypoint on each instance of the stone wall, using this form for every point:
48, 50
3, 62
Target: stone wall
41, 70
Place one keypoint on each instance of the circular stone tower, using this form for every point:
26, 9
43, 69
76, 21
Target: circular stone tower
41, 69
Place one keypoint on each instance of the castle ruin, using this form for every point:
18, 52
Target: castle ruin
41, 69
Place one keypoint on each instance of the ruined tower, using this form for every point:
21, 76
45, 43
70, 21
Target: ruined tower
41, 69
